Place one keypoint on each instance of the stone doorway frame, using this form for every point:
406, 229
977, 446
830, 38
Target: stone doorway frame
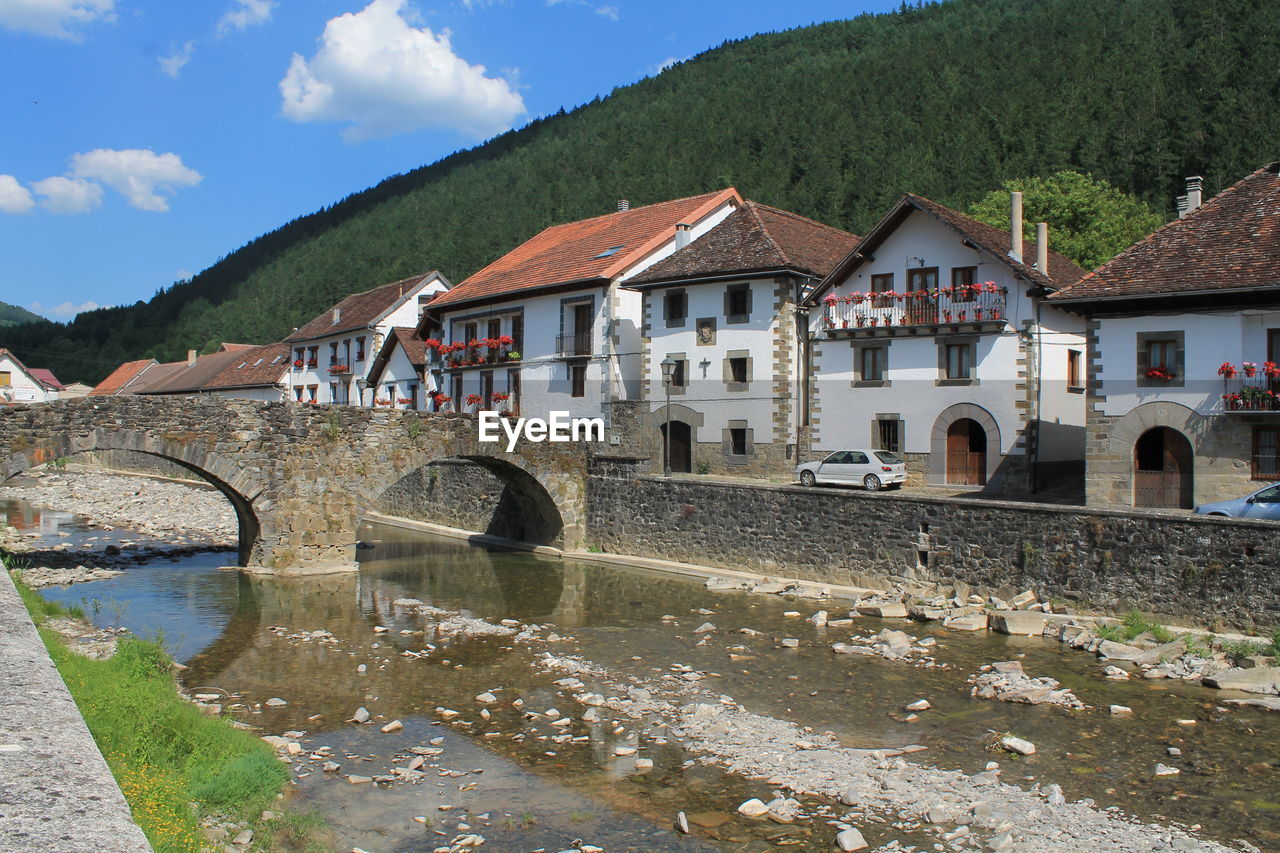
938, 440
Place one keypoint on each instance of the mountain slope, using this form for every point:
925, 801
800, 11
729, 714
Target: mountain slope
12, 315
833, 121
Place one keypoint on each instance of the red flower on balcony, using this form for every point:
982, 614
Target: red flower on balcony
1227, 370
297, 362
339, 368
404, 401
499, 396
1160, 374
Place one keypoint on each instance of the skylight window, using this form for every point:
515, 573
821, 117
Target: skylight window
242, 364
277, 359
607, 252
256, 363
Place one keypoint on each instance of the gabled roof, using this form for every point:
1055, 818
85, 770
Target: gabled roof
41, 376
118, 381
191, 377
415, 349
589, 250
1232, 242
363, 310
252, 367
994, 241
755, 238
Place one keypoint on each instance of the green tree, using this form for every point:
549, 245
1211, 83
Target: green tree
1090, 221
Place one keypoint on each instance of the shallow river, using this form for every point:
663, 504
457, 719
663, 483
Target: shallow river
522, 790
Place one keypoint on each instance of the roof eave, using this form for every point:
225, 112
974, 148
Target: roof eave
697, 278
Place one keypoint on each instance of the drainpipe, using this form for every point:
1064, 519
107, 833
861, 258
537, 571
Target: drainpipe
802, 373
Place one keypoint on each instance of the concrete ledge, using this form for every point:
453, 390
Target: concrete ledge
470, 536
56, 792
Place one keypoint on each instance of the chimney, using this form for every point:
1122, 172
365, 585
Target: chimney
1194, 197
1042, 247
191, 356
683, 235
623, 205
1015, 226
337, 315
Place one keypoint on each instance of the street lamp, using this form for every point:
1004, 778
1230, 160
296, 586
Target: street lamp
668, 366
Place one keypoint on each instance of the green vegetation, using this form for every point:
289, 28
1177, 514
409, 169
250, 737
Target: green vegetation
1090, 221
1133, 624
12, 315
834, 121
165, 754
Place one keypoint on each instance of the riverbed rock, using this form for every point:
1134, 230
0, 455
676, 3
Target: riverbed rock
393, 726
275, 702
1023, 600
966, 622
1263, 679
753, 808
1018, 745
682, 823
850, 839
1120, 651
1166, 770
704, 628
1266, 703
884, 609
819, 619
1023, 623
360, 716
919, 705
487, 698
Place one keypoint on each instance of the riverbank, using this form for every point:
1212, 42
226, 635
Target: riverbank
192, 782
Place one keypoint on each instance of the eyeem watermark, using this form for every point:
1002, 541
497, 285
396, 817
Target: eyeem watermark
561, 427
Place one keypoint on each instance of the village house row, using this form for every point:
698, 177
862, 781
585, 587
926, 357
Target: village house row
743, 339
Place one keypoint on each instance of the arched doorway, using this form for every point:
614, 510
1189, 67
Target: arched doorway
680, 445
1162, 475
966, 453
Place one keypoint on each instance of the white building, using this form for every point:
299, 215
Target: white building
332, 353
22, 384
398, 377
933, 339
1184, 344
549, 324
722, 311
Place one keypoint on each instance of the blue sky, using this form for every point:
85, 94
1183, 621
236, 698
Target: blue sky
143, 140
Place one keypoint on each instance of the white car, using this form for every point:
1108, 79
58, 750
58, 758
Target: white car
870, 469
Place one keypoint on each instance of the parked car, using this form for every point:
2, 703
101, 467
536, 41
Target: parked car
869, 468
1264, 503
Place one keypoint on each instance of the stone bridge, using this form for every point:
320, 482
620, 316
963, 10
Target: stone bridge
300, 477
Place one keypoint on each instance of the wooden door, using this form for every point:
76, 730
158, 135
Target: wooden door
680, 443
966, 453
582, 329
1162, 474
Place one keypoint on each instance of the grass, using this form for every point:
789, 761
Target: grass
165, 754
1133, 624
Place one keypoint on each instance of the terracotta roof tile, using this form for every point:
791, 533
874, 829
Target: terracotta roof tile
405, 338
587, 250
1231, 242
189, 378
119, 379
753, 238
253, 367
359, 310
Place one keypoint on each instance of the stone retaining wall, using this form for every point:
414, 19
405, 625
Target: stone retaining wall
455, 493
1215, 572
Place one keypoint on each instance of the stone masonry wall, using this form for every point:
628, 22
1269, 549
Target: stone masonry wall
1217, 572
455, 493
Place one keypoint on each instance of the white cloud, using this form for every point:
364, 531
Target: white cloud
667, 63
176, 61
610, 12
66, 309
245, 14
14, 197
140, 175
384, 77
68, 195
56, 18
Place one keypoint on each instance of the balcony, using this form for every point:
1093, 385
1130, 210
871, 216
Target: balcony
573, 345
980, 307
340, 369
1250, 389
482, 353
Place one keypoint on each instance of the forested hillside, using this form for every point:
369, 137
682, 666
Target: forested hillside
833, 121
12, 315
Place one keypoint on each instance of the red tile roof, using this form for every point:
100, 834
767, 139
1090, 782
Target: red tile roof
994, 241
252, 367
755, 238
405, 338
360, 310
120, 378
45, 376
1232, 242
190, 378
587, 250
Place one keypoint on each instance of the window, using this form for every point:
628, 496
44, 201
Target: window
882, 283
413, 395
360, 349
675, 308
680, 372
456, 383
469, 332
313, 356
333, 353
738, 441
422, 304
887, 457
871, 364
922, 279
1160, 359
578, 380
313, 393
300, 354
495, 328
737, 303
513, 388
297, 393
1074, 360
889, 435
738, 370
6, 379
959, 363
486, 388
962, 279
1162, 354
333, 391
517, 333
1266, 448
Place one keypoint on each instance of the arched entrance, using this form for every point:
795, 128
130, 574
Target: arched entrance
679, 443
966, 453
1162, 469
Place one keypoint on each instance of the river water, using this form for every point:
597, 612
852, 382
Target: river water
509, 779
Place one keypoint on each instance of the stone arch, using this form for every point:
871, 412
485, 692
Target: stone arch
938, 439
550, 500
1116, 462
238, 486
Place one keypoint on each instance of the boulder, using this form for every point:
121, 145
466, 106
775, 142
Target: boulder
1018, 745
1020, 622
1262, 679
850, 839
1119, 651
966, 622
885, 609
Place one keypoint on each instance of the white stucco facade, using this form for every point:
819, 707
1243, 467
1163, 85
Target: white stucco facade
994, 357
400, 386
19, 386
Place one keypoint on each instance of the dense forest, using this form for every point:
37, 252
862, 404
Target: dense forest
949, 100
12, 315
